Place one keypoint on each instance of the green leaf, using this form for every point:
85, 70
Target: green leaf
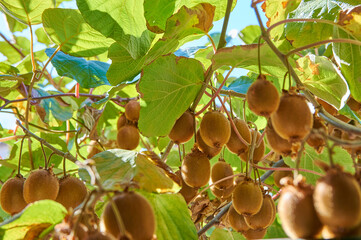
275, 231
8, 69
323, 79
309, 156
88, 74
250, 34
33, 220
12, 55
67, 28
8, 82
168, 86
221, 234
15, 26
117, 166
42, 36
26, 11
172, 217
348, 58
121, 20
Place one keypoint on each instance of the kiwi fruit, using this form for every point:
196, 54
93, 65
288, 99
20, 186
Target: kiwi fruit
220, 170
255, 234
196, 169
186, 191
222, 194
122, 120
234, 144
72, 192
247, 198
258, 152
337, 199
11, 195
278, 144
128, 137
215, 129
278, 175
136, 213
316, 140
265, 216
262, 97
132, 110
293, 119
183, 129
297, 213
237, 220
41, 184
209, 151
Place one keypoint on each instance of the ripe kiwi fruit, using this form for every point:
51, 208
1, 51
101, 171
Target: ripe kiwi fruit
132, 110
220, 170
128, 137
316, 140
196, 169
136, 213
265, 216
72, 192
234, 144
122, 120
297, 213
11, 195
278, 175
258, 151
247, 198
278, 144
262, 97
209, 151
215, 129
237, 221
183, 129
41, 184
255, 234
293, 119
337, 199
223, 194
186, 191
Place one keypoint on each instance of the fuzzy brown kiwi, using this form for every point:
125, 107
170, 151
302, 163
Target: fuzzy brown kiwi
247, 198
255, 234
278, 175
11, 195
186, 191
128, 137
72, 192
293, 119
316, 140
258, 151
237, 220
196, 169
262, 97
122, 120
234, 144
132, 110
215, 129
223, 194
183, 129
220, 170
209, 151
136, 213
337, 199
298, 215
278, 144
265, 216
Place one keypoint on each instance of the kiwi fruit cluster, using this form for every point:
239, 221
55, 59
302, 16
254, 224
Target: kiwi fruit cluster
128, 134
223, 189
18, 192
136, 214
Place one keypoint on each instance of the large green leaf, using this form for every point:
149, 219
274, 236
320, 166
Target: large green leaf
122, 20
323, 79
67, 28
12, 55
8, 69
36, 218
117, 166
250, 34
8, 82
172, 217
168, 86
309, 156
15, 26
348, 58
26, 11
88, 74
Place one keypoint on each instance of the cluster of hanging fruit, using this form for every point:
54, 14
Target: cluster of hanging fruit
332, 208
128, 134
18, 192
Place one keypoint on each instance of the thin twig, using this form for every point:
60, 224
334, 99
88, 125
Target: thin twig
13, 46
167, 151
